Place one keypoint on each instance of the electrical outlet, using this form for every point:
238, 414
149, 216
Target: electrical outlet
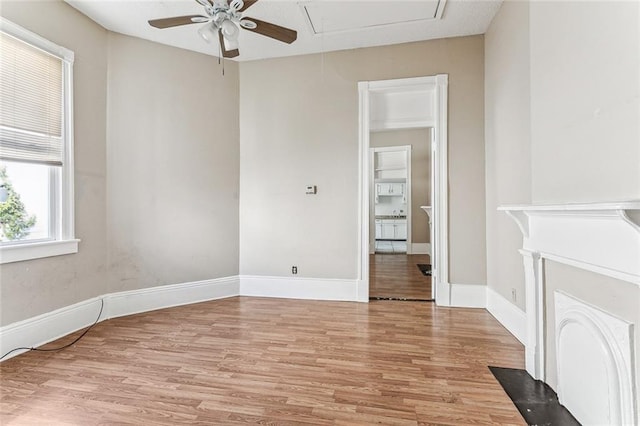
513, 294
294, 270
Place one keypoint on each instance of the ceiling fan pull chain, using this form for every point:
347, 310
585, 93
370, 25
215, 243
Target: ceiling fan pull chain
220, 58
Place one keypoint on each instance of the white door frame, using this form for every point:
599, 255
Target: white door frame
433, 94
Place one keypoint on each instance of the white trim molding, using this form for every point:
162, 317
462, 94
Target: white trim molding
428, 98
300, 288
599, 237
583, 235
36, 250
167, 296
45, 328
509, 315
534, 295
440, 197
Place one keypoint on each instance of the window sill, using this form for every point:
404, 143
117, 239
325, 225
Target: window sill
29, 251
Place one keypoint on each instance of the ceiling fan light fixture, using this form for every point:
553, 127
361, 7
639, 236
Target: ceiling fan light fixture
229, 30
250, 25
208, 32
229, 45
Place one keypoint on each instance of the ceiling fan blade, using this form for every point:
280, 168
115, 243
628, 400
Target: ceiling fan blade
274, 31
226, 53
205, 3
174, 21
247, 5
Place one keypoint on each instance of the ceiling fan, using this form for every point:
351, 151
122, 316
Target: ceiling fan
224, 18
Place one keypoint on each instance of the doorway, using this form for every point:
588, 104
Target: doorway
407, 104
399, 235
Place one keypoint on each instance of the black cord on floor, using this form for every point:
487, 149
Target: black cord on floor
61, 347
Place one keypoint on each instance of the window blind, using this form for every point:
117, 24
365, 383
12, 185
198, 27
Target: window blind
31, 103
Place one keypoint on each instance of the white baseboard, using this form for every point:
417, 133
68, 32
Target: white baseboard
509, 315
167, 296
468, 296
37, 331
362, 291
421, 248
300, 288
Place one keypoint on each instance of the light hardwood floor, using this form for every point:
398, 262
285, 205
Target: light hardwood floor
398, 276
271, 361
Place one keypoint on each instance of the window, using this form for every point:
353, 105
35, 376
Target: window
36, 146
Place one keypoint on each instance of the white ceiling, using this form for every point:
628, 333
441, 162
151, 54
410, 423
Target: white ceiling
322, 25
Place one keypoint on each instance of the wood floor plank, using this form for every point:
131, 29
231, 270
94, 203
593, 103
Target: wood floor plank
271, 361
398, 276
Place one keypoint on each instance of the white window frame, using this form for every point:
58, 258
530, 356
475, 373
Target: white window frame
64, 241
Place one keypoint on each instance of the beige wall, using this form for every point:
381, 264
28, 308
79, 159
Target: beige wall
34, 287
158, 202
420, 142
585, 101
562, 115
172, 165
508, 144
300, 127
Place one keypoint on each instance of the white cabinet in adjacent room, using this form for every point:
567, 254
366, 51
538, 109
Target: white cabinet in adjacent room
391, 229
390, 189
388, 230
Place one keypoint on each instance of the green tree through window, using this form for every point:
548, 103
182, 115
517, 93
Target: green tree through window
15, 222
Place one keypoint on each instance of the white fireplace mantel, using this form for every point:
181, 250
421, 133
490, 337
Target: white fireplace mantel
599, 237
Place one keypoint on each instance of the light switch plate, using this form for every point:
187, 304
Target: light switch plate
312, 189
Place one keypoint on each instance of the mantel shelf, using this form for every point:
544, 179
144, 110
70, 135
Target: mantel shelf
627, 211
622, 205
605, 236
